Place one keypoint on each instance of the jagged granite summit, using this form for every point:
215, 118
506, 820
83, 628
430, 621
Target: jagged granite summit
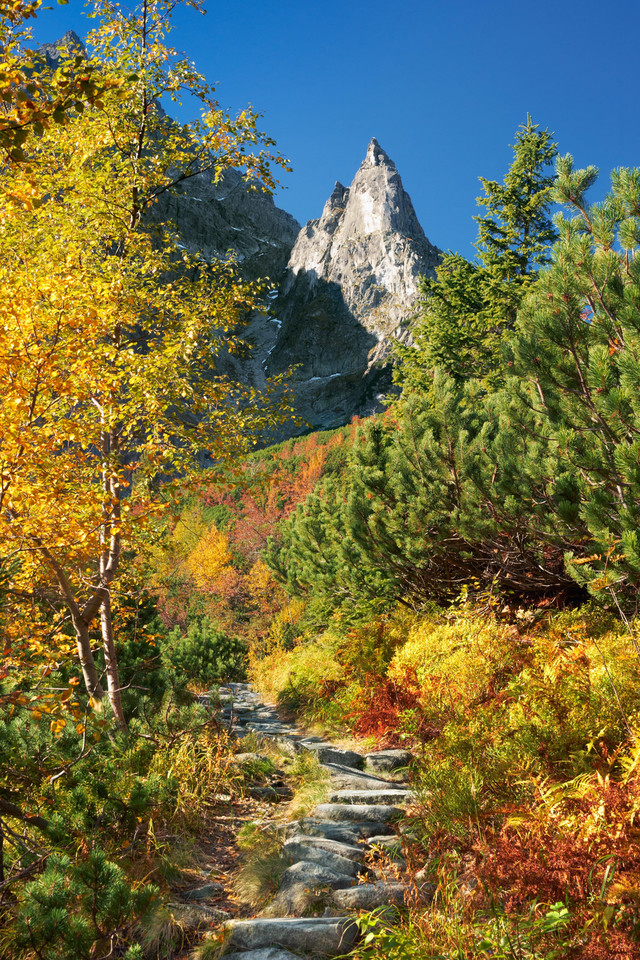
349, 289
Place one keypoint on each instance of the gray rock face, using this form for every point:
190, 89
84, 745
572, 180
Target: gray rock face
215, 218
347, 282
350, 288
68, 46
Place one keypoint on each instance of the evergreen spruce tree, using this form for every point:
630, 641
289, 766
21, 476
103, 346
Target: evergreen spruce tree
469, 306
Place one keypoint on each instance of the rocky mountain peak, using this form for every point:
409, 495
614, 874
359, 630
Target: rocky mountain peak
350, 288
376, 155
67, 45
379, 200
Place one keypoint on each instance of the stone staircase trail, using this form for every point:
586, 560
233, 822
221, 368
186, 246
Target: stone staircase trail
327, 850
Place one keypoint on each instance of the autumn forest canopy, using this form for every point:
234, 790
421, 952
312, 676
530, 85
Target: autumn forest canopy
458, 574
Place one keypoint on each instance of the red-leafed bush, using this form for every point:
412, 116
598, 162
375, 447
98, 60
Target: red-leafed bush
389, 712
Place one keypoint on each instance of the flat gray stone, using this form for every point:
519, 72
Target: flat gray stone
379, 812
369, 896
314, 874
386, 761
327, 753
348, 850
319, 936
266, 734
345, 778
297, 852
275, 726
344, 831
371, 796
269, 953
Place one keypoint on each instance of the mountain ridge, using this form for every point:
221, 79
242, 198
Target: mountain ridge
349, 290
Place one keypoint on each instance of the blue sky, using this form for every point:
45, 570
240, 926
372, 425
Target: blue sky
442, 86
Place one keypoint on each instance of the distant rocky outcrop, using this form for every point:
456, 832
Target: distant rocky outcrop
344, 286
349, 289
214, 219
66, 46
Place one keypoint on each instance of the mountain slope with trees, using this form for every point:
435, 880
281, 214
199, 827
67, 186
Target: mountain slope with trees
458, 574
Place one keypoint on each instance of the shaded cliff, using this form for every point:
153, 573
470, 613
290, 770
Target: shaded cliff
215, 218
349, 289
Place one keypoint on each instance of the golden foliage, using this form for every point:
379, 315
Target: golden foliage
109, 336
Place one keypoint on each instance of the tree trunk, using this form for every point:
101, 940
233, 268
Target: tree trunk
111, 663
85, 655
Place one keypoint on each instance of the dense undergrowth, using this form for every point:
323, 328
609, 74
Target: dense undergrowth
97, 824
525, 772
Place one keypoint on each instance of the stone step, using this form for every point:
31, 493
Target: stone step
347, 850
301, 852
267, 953
346, 778
390, 844
344, 831
314, 874
318, 936
396, 795
379, 812
263, 727
369, 896
327, 753
326, 851
264, 722
386, 761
